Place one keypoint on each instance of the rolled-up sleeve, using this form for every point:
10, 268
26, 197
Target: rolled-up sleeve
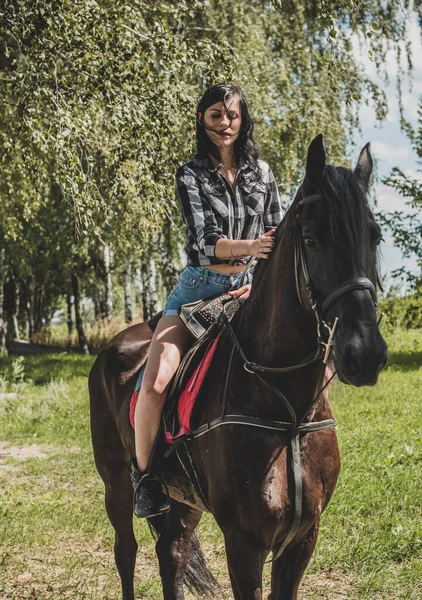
197, 212
273, 212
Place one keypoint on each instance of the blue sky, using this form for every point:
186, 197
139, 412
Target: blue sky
390, 147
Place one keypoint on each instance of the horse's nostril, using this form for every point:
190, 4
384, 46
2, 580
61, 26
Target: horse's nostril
352, 354
361, 360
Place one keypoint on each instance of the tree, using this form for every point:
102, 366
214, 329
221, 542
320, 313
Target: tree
97, 110
406, 227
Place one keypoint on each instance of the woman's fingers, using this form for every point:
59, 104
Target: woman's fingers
242, 292
267, 240
263, 245
266, 244
245, 294
269, 233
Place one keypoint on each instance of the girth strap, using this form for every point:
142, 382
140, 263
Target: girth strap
262, 424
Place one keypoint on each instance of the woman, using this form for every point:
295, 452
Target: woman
230, 205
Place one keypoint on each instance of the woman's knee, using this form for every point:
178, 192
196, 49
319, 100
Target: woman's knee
152, 390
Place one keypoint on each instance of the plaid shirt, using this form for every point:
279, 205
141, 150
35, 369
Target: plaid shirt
212, 209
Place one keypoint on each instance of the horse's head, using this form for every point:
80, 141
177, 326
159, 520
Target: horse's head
336, 239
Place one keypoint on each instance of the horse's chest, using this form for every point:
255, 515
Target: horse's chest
263, 488
320, 465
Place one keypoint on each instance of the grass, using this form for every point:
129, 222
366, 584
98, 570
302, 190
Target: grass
56, 542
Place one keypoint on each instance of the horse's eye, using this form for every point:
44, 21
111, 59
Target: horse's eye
309, 242
379, 240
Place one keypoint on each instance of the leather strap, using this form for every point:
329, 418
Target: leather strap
360, 283
298, 501
249, 266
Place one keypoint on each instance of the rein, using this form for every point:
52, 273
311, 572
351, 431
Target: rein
325, 340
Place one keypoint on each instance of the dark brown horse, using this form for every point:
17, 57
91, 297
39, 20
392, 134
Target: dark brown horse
323, 266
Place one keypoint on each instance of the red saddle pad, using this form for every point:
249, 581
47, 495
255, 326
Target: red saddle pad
187, 398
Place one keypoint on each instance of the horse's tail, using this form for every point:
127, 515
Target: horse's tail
198, 577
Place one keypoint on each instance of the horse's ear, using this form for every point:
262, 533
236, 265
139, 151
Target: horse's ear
315, 162
364, 167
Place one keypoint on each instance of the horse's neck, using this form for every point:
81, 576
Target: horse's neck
276, 331
276, 327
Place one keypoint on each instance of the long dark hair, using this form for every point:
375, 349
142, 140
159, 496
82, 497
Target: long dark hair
244, 145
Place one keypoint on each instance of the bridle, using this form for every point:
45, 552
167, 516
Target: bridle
298, 425
320, 309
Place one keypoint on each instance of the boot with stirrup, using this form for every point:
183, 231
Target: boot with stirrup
149, 500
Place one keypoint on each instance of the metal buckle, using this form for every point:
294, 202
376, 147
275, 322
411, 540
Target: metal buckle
329, 343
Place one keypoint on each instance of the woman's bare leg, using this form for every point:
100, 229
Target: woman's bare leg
167, 348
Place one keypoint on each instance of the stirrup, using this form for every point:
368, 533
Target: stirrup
149, 500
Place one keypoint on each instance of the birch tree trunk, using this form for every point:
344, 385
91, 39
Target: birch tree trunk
128, 293
149, 296
109, 288
3, 330
16, 310
29, 309
83, 344
69, 319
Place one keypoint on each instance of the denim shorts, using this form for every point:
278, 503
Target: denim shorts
196, 283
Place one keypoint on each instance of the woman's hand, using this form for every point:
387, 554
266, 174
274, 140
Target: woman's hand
242, 292
262, 246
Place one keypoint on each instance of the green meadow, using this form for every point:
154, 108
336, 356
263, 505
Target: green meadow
55, 539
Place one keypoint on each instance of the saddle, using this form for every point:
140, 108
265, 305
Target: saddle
205, 320
199, 316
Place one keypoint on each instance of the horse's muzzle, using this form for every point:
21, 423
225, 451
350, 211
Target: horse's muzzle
360, 357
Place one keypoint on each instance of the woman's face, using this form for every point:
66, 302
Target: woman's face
216, 117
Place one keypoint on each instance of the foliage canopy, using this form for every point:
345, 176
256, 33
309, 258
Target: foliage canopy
97, 111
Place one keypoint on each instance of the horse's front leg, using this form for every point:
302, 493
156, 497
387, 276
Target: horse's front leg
173, 547
245, 561
288, 570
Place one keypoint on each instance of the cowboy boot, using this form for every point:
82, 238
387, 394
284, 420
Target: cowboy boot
149, 500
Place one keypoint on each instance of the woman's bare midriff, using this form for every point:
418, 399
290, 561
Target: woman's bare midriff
226, 269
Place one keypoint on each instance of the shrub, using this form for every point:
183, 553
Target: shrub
405, 311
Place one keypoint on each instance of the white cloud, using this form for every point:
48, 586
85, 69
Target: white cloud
412, 174
367, 116
389, 200
391, 154
410, 105
417, 83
